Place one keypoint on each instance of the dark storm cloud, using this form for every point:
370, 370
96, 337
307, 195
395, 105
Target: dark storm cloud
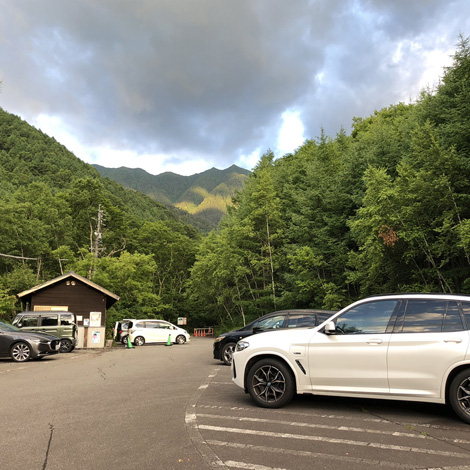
213, 77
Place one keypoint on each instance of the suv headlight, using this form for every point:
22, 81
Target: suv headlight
241, 345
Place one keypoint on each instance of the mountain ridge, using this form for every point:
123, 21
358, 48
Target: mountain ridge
204, 195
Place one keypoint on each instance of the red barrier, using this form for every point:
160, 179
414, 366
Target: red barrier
209, 331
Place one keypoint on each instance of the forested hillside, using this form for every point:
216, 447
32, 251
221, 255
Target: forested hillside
384, 209
204, 195
49, 203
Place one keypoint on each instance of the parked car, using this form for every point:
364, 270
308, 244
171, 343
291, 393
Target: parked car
59, 324
155, 331
22, 345
121, 331
411, 347
224, 344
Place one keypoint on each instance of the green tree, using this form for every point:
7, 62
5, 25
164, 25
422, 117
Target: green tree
256, 225
406, 227
220, 280
173, 254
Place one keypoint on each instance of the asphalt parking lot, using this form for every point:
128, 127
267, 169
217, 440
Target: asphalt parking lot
158, 407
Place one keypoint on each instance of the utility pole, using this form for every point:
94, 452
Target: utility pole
98, 234
95, 244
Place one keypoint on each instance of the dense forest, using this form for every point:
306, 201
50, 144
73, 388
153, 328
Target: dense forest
385, 208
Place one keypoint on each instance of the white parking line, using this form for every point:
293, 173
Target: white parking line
333, 441
418, 434
194, 427
249, 466
354, 418
465, 467
204, 450
316, 455
316, 426
11, 370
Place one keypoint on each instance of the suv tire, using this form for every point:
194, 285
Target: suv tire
459, 395
270, 383
227, 353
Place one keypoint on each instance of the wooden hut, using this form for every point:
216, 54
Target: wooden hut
71, 292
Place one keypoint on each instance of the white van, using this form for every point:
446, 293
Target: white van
155, 331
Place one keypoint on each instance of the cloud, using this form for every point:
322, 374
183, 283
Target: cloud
162, 83
291, 132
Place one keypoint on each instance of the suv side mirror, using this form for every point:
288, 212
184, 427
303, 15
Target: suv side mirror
330, 328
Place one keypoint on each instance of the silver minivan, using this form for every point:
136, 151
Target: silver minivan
59, 324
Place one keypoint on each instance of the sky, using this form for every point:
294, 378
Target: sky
187, 85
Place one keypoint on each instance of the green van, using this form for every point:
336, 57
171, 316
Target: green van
59, 324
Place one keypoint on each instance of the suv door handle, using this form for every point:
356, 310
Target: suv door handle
374, 341
453, 340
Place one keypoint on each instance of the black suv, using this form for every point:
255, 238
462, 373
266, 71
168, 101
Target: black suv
225, 343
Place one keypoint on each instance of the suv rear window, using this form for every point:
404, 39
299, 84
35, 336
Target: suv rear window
466, 313
276, 321
428, 316
299, 320
66, 319
49, 320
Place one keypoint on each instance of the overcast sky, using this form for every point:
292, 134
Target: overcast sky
186, 85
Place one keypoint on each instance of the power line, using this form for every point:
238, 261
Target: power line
23, 257
18, 257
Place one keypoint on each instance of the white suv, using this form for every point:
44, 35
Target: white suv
411, 347
155, 331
